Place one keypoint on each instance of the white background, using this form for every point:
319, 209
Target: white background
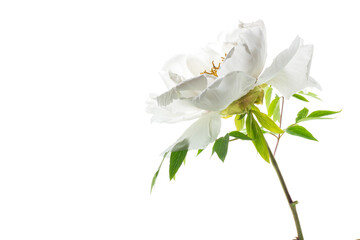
78, 152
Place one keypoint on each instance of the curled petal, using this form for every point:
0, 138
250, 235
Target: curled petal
186, 89
175, 70
249, 50
224, 91
186, 66
289, 72
202, 132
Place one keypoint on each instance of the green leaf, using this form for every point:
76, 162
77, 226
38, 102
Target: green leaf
312, 118
302, 98
274, 103
254, 132
302, 114
199, 151
267, 123
221, 147
156, 174
239, 135
176, 159
322, 113
310, 94
239, 121
268, 94
276, 114
300, 131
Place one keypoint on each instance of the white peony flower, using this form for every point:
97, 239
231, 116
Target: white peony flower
204, 85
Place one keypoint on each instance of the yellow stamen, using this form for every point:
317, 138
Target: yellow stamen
214, 69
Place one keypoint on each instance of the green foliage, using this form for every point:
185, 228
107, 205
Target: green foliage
156, 174
267, 123
302, 98
300, 131
268, 93
322, 113
310, 94
302, 114
316, 115
239, 122
255, 132
239, 135
199, 151
274, 109
273, 105
176, 159
221, 147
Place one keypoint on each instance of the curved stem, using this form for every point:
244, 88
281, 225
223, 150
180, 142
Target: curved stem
292, 203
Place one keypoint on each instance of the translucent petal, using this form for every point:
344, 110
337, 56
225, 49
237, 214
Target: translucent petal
224, 91
202, 132
249, 50
175, 70
178, 110
289, 72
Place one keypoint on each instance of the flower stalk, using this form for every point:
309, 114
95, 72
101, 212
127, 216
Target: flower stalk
292, 203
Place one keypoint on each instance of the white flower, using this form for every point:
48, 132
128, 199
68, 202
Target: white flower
202, 85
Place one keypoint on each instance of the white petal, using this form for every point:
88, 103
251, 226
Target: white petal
186, 89
202, 60
249, 52
224, 91
202, 132
289, 72
178, 110
175, 70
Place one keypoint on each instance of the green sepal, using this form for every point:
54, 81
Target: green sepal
239, 135
255, 132
199, 151
300, 131
221, 147
302, 98
267, 122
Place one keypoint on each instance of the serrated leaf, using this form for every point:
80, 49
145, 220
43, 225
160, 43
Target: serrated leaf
302, 98
311, 95
300, 131
268, 94
254, 132
273, 105
176, 159
267, 122
156, 174
221, 147
322, 113
199, 151
239, 122
302, 114
239, 135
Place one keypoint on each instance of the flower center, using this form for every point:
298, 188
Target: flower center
214, 69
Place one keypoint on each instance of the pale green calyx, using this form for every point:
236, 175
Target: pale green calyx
244, 104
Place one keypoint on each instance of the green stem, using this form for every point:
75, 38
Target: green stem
292, 203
